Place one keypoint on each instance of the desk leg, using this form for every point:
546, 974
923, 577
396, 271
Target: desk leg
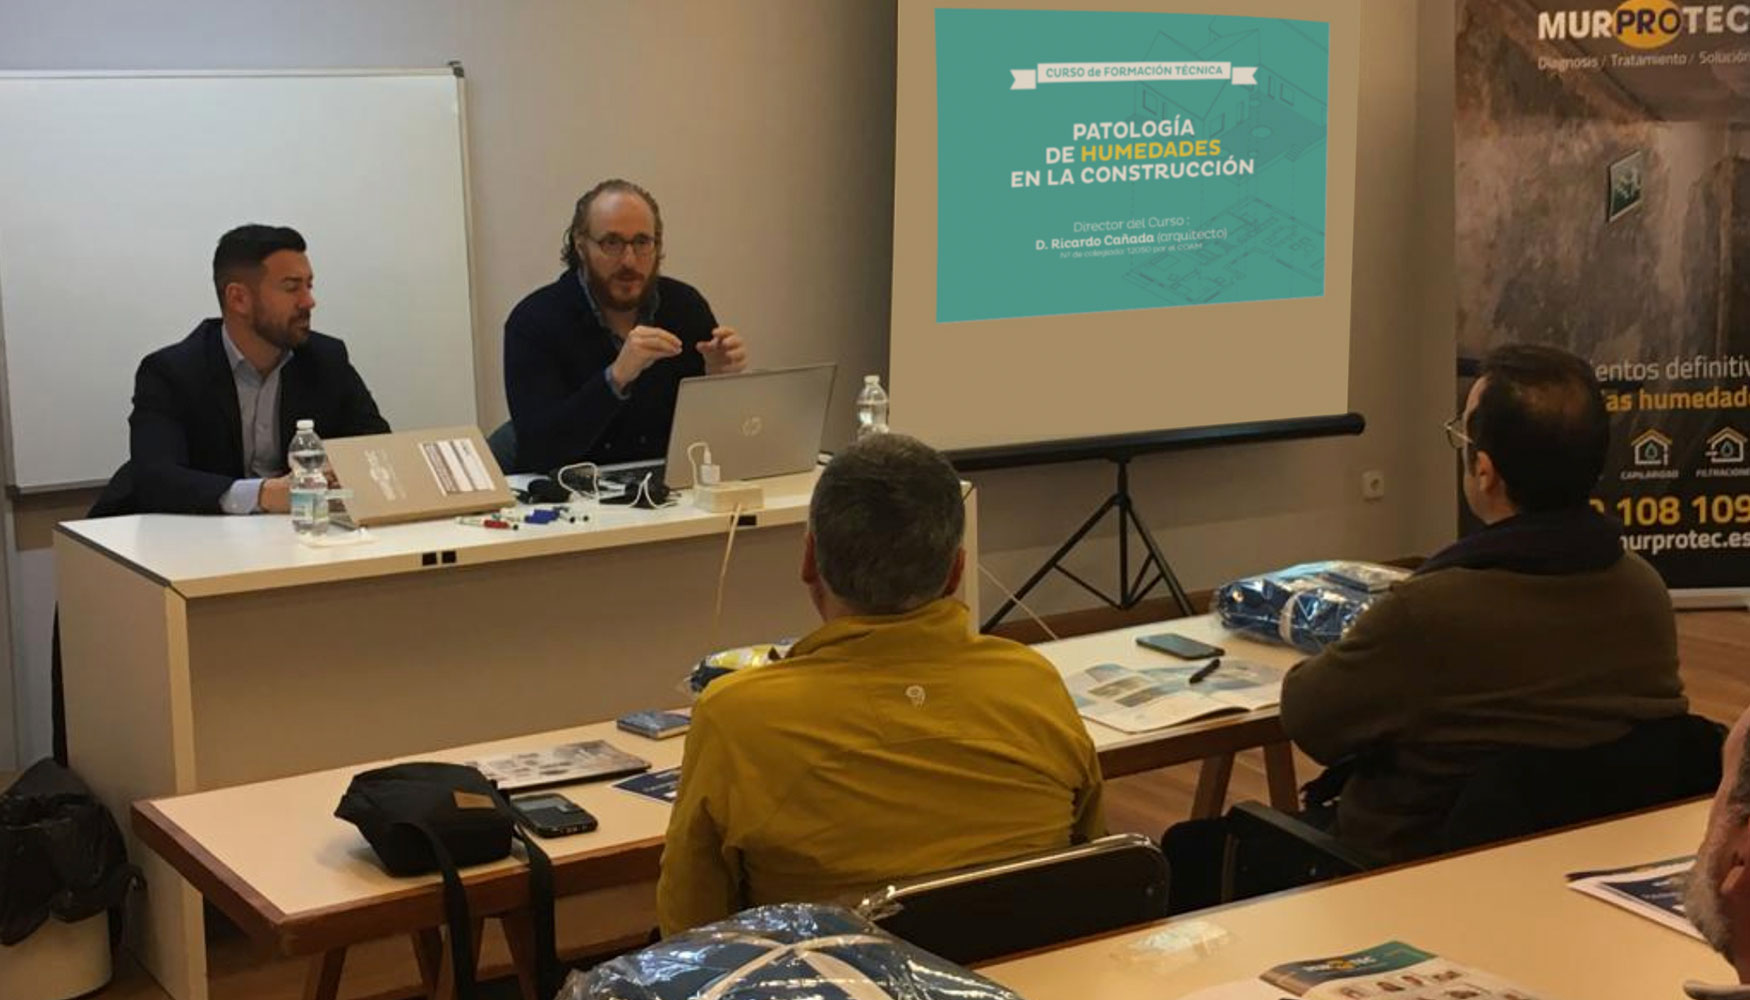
446, 981
428, 951
1279, 772
1211, 794
519, 933
322, 982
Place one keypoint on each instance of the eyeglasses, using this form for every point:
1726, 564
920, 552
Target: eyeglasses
1455, 437
642, 246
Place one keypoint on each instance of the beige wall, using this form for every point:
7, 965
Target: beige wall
764, 127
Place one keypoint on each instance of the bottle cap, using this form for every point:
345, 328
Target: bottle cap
306, 425
871, 380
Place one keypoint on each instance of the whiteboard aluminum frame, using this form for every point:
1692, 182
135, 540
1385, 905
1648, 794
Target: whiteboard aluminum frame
454, 69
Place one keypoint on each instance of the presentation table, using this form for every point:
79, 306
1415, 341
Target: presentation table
1506, 911
272, 856
204, 652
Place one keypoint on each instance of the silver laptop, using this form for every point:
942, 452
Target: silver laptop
758, 424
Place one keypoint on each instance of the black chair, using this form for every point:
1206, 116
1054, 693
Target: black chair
981, 913
502, 443
1528, 791
1517, 793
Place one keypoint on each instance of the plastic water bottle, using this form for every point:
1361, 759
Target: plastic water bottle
309, 482
871, 408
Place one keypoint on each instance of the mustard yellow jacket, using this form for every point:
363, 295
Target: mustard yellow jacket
884, 747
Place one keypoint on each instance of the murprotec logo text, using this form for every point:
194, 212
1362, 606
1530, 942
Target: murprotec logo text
1645, 24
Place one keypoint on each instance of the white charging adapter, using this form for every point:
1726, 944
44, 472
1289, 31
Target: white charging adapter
712, 494
709, 473
721, 498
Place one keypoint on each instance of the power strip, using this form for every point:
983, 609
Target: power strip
722, 498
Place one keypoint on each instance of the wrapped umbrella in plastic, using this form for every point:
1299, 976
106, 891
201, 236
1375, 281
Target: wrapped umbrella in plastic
791, 951
1308, 606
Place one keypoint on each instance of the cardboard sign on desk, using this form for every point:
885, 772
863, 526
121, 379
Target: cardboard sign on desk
418, 475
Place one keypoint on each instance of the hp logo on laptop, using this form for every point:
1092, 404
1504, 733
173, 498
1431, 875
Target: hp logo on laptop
752, 426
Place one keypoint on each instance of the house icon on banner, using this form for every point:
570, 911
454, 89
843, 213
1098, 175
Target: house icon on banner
1653, 449
1726, 447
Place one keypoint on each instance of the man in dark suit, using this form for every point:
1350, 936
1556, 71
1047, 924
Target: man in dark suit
593, 361
213, 412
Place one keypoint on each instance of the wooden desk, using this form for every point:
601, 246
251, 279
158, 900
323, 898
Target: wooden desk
1213, 741
1505, 910
275, 860
204, 652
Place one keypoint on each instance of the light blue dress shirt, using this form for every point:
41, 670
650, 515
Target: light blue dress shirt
258, 406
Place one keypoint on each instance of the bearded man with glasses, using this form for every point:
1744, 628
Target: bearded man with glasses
592, 362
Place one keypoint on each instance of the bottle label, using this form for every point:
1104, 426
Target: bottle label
308, 506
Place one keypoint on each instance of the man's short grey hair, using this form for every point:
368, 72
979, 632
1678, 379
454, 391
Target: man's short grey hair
887, 518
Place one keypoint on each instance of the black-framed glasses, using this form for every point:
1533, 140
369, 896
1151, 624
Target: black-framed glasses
1455, 437
615, 246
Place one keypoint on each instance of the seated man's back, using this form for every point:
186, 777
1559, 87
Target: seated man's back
1457, 664
1538, 631
887, 746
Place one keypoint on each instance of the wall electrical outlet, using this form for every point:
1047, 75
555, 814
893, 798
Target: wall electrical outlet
1373, 485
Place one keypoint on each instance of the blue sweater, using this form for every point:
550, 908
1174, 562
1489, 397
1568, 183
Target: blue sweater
555, 354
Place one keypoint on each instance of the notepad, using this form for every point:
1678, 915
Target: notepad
663, 786
1141, 701
1390, 971
566, 764
1653, 890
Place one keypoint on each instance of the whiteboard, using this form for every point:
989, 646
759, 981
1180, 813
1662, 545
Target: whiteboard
114, 189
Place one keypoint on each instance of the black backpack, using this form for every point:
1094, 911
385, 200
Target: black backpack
425, 817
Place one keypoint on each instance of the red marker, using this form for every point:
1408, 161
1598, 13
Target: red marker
487, 522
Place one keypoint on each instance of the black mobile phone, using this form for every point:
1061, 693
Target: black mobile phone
553, 815
1185, 648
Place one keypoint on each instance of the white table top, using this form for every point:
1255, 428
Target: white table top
207, 556
1506, 911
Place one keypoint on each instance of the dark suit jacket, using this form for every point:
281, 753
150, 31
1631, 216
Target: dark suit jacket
554, 353
185, 435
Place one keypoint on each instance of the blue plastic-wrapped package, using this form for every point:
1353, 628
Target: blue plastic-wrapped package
791, 951
1308, 606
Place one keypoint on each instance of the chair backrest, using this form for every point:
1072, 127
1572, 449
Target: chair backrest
1522, 792
502, 443
1267, 851
1034, 901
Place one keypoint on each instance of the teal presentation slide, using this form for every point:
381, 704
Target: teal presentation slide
1090, 162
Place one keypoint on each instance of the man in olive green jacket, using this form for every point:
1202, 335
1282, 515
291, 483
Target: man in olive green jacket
1537, 631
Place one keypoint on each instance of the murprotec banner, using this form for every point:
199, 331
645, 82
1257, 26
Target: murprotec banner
1603, 206
1093, 161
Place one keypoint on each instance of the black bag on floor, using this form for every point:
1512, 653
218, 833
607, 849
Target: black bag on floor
426, 817
61, 854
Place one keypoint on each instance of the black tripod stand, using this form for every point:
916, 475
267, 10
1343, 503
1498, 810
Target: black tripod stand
1131, 590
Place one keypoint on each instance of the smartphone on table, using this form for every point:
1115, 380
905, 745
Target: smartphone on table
550, 814
1183, 647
